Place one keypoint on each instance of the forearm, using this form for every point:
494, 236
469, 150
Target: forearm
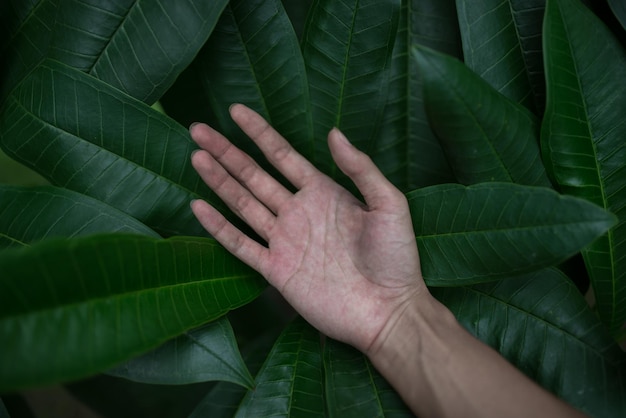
440, 370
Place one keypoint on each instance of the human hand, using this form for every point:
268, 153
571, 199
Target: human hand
348, 268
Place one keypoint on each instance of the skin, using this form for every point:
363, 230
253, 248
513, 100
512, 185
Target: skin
351, 269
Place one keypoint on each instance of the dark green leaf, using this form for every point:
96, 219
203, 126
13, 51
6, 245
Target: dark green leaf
201, 355
290, 382
28, 215
491, 231
583, 137
355, 389
502, 44
619, 10
406, 149
139, 47
71, 308
486, 136
26, 32
542, 324
253, 57
347, 49
93, 139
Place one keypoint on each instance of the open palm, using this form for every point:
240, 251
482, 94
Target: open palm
345, 266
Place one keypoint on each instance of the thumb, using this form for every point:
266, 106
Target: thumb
373, 185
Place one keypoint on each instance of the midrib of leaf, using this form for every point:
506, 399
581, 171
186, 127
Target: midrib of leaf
345, 71
232, 369
610, 233
379, 402
577, 340
518, 38
119, 157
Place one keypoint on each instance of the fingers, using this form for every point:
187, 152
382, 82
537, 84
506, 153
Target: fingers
276, 149
373, 185
247, 172
243, 247
237, 197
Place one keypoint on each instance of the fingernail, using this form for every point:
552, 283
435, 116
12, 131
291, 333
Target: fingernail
192, 125
341, 136
192, 201
193, 152
230, 108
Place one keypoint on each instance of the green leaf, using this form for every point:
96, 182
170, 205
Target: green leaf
93, 139
253, 57
583, 137
354, 388
71, 308
502, 44
201, 355
28, 215
224, 398
347, 49
26, 32
290, 382
542, 324
139, 47
406, 150
486, 137
491, 231
619, 10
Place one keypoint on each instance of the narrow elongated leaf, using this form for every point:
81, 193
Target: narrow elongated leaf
253, 57
491, 231
137, 46
347, 49
583, 137
354, 388
486, 136
290, 382
619, 10
406, 150
502, 44
542, 324
26, 32
71, 308
200, 355
91, 138
28, 215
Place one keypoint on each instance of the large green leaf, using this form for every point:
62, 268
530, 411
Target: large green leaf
347, 49
583, 137
137, 46
406, 150
93, 139
491, 231
502, 44
354, 388
71, 308
486, 136
28, 215
542, 324
201, 355
253, 57
26, 32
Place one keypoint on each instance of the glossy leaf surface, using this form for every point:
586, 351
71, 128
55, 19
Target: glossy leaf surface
91, 138
347, 49
354, 388
200, 355
486, 137
502, 44
253, 57
542, 324
71, 308
28, 215
491, 231
406, 150
583, 137
137, 46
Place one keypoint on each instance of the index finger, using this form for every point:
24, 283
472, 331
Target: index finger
276, 149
